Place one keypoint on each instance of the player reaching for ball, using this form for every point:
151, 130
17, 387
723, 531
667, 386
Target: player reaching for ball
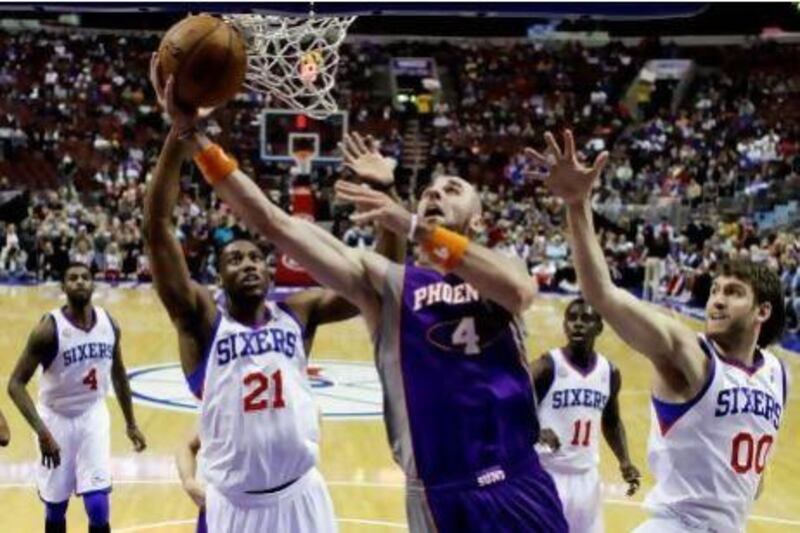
718, 398
246, 361
449, 340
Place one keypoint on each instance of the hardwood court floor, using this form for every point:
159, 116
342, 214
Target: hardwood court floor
365, 484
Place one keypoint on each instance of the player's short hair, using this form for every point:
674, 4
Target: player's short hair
221, 250
580, 300
75, 264
766, 287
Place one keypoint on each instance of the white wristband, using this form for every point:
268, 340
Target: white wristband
413, 229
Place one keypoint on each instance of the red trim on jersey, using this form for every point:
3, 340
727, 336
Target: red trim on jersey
758, 363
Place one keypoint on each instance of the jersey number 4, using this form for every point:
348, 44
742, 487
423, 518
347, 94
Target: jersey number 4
747, 453
466, 336
254, 400
90, 379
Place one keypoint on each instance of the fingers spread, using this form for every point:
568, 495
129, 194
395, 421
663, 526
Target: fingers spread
536, 156
569, 144
552, 145
600, 163
359, 142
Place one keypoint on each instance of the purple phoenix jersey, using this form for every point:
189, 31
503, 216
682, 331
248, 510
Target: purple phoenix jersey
459, 408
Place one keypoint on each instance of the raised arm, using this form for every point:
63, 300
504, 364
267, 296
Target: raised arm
355, 274
671, 347
614, 433
122, 389
323, 306
41, 347
189, 305
494, 275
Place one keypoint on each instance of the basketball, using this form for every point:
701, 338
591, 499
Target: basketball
208, 59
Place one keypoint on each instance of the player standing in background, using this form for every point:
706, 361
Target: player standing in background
449, 340
246, 361
718, 398
577, 392
78, 348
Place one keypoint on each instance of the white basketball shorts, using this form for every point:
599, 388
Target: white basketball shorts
85, 442
303, 507
581, 497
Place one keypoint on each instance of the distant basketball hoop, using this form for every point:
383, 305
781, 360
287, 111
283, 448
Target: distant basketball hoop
302, 162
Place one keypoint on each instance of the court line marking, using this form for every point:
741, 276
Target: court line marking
185, 521
372, 484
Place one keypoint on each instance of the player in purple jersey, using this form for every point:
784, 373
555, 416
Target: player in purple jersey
450, 345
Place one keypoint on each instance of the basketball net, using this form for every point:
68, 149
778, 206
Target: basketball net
293, 59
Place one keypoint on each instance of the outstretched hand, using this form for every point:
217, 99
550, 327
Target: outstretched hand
183, 119
374, 206
361, 155
565, 176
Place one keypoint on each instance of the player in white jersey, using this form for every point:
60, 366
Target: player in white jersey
577, 392
717, 399
246, 361
78, 349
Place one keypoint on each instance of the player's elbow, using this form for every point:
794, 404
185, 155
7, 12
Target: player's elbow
522, 297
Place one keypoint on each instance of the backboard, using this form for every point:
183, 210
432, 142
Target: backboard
285, 132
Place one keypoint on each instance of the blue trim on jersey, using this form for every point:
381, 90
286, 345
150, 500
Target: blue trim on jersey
668, 413
283, 306
50, 357
197, 379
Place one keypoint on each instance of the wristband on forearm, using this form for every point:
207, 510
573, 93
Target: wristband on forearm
445, 248
215, 164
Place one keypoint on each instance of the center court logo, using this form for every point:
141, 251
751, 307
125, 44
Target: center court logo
342, 390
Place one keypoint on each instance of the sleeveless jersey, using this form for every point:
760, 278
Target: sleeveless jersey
708, 456
573, 409
258, 421
79, 371
458, 399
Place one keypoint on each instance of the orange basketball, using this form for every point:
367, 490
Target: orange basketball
208, 59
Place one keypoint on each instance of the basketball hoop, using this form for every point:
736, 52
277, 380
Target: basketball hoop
293, 59
302, 161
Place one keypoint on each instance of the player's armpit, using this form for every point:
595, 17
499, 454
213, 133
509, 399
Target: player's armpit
672, 347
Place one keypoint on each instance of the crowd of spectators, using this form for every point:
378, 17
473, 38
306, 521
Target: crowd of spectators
80, 123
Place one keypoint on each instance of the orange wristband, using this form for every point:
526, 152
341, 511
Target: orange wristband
445, 248
215, 164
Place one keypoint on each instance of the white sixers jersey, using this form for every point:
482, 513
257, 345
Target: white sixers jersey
573, 408
707, 456
79, 373
258, 421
